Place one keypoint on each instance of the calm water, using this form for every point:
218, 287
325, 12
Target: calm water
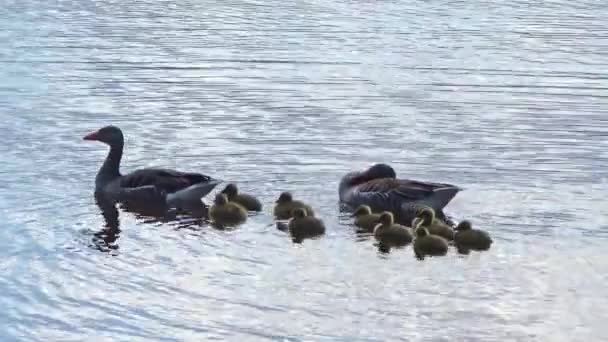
507, 99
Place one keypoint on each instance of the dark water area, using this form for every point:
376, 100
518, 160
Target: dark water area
507, 99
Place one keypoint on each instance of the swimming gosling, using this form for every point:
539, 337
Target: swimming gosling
388, 233
434, 225
428, 244
286, 204
249, 202
364, 218
467, 238
226, 213
303, 226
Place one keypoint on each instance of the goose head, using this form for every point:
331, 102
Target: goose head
357, 177
379, 171
110, 135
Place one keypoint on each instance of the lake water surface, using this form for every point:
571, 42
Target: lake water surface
507, 99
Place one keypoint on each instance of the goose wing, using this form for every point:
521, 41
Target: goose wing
168, 181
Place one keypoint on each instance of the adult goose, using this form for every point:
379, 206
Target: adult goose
149, 186
379, 188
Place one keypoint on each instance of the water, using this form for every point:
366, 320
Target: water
504, 98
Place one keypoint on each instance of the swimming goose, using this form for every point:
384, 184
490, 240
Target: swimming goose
379, 188
152, 186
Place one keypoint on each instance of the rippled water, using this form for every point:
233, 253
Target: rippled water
507, 99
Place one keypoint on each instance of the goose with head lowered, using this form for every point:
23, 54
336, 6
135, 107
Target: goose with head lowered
379, 188
151, 186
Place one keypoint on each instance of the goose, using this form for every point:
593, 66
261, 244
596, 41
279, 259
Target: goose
151, 186
379, 188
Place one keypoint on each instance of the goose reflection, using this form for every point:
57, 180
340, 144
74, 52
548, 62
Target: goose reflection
105, 240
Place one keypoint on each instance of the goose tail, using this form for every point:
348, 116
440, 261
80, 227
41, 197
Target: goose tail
441, 197
193, 193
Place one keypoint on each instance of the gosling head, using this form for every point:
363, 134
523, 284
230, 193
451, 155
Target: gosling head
298, 213
416, 222
220, 199
285, 197
362, 210
464, 225
427, 215
386, 218
230, 190
421, 231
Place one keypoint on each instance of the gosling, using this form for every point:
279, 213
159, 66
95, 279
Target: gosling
303, 226
434, 226
226, 213
286, 204
248, 202
388, 233
467, 238
364, 218
427, 244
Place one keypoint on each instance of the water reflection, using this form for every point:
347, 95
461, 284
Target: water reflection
383, 248
105, 240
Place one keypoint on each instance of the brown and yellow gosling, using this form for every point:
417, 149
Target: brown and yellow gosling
467, 238
364, 218
434, 226
389, 233
286, 204
249, 202
303, 226
427, 244
226, 213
